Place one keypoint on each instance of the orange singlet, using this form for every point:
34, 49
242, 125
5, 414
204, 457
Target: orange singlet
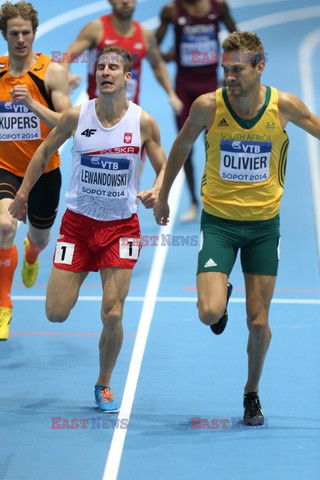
21, 131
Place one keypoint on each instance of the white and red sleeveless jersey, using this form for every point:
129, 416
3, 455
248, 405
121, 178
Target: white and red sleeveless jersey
105, 163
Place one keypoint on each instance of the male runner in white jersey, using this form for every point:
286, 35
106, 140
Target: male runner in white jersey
100, 229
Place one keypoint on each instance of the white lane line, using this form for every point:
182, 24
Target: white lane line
119, 436
233, 4
280, 18
98, 298
116, 447
306, 67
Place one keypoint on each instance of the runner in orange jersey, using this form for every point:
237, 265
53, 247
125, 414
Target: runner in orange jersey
34, 93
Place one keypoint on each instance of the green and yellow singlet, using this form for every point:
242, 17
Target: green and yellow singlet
245, 165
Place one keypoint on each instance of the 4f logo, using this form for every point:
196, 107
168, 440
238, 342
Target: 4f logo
88, 132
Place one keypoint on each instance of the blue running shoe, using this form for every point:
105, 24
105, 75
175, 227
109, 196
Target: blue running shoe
104, 399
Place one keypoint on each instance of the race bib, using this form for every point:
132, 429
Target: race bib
104, 177
198, 50
245, 161
64, 253
129, 248
18, 122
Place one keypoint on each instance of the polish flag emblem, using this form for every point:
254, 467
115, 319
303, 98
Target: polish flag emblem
127, 138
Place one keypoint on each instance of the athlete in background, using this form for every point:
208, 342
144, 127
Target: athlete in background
196, 31
119, 28
33, 94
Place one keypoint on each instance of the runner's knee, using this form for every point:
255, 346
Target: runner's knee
210, 314
56, 314
8, 227
258, 327
111, 316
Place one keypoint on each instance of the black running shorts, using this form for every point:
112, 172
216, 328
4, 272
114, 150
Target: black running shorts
43, 199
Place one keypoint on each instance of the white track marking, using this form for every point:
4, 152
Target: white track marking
116, 447
306, 51
98, 298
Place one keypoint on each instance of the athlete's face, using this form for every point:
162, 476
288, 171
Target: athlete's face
110, 75
123, 9
192, 2
20, 37
240, 76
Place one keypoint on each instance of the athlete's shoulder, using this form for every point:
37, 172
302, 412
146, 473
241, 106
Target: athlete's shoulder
168, 13
98, 22
3, 62
146, 118
40, 65
43, 57
148, 123
93, 31
203, 110
72, 115
287, 100
206, 101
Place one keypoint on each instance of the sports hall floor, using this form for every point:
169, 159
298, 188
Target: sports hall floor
171, 368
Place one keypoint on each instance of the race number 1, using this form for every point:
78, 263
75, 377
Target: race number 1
129, 248
64, 253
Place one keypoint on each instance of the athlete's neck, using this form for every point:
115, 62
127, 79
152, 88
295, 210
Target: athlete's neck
197, 8
19, 66
110, 110
124, 27
248, 106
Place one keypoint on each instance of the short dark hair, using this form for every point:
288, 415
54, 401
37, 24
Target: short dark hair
248, 42
122, 55
21, 9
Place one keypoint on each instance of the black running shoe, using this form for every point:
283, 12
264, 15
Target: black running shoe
218, 327
253, 414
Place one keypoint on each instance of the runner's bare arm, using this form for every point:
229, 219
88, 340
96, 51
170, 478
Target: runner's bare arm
39, 161
292, 109
225, 16
200, 118
160, 70
57, 86
150, 134
167, 16
87, 39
